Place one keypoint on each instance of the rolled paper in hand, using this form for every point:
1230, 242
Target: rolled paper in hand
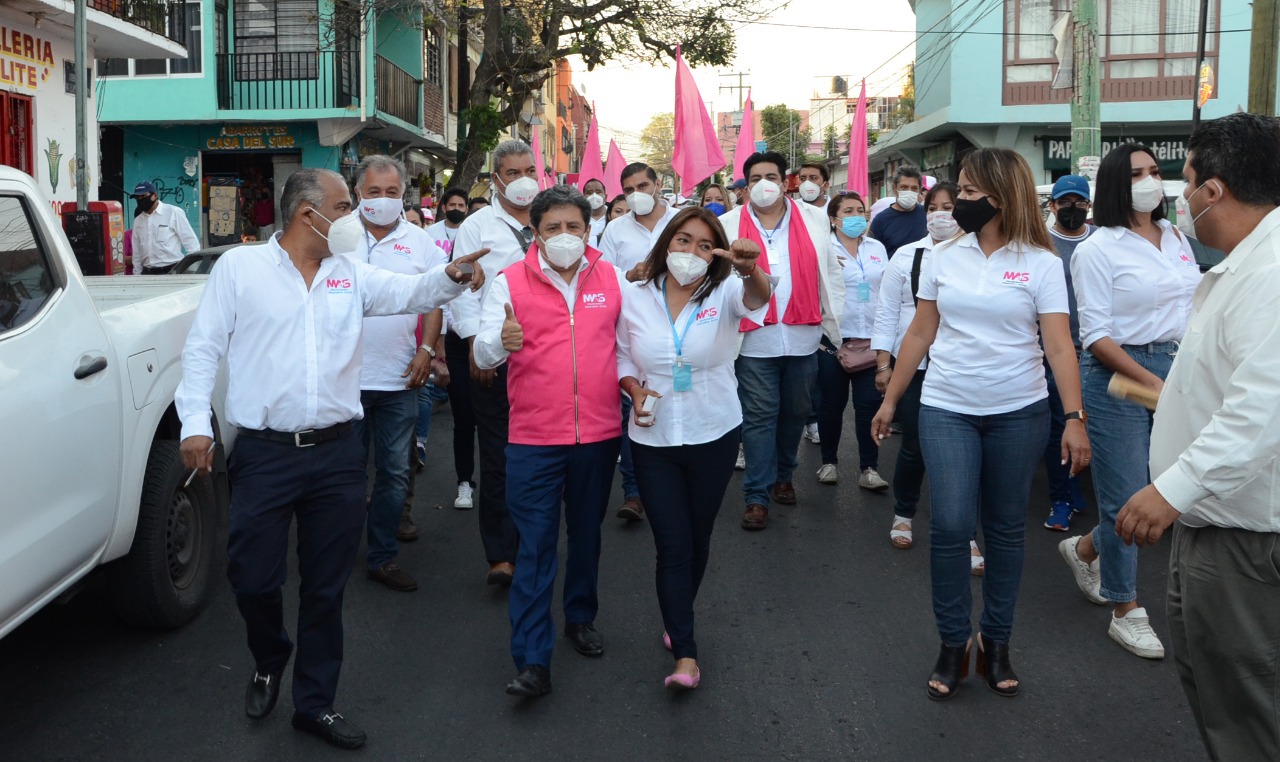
1126, 388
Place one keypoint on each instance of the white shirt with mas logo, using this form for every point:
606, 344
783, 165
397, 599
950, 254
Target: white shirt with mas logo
987, 359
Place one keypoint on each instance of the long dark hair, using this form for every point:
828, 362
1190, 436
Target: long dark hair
1113, 202
719, 268
833, 206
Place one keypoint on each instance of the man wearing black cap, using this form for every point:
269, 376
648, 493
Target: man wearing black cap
160, 233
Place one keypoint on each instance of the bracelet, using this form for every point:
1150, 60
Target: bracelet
883, 368
754, 266
428, 350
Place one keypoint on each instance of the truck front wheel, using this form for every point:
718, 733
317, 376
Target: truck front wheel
164, 580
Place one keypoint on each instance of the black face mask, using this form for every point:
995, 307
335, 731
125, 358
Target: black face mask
973, 214
144, 205
1071, 217
455, 216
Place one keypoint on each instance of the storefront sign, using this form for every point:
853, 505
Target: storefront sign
1171, 153
252, 137
25, 59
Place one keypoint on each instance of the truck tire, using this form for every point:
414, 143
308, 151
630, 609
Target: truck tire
164, 580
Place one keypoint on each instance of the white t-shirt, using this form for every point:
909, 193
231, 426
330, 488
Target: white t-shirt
597, 228
390, 342
987, 359
857, 320
895, 304
444, 236
647, 351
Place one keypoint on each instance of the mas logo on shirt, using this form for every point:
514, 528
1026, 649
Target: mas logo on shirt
1187, 259
402, 249
1016, 279
876, 259
709, 315
338, 285
595, 300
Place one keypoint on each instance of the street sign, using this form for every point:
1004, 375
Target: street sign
761, 146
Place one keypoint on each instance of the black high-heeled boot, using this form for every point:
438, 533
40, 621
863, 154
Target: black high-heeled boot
993, 664
951, 668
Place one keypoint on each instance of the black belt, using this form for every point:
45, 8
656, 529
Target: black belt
308, 438
161, 270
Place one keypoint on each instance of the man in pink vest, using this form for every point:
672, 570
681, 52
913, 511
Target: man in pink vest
552, 318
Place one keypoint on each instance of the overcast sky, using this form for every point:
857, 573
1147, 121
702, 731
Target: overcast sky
790, 57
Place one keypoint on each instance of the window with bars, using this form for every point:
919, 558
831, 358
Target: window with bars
276, 39
185, 25
433, 57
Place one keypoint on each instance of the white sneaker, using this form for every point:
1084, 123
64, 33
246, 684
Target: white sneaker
811, 433
1133, 632
463, 501
1088, 578
741, 463
828, 474
870, 479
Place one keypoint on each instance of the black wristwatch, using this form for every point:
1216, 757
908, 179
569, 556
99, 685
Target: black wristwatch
1077, 415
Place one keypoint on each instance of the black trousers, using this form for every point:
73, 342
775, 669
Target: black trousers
324, 487
682, 489
457, 357
492, 413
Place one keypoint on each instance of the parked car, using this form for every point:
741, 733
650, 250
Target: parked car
201, 262
91, 474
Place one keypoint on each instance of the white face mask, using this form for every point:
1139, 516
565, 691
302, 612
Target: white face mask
908, 199
764, 193
686, 267
381, 211
1147, 194
641, 203
809, 190
563, 250
596, 201
344, 233
521, 191
941, 225
1182, 205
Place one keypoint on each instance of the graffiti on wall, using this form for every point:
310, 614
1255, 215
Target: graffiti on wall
175, 194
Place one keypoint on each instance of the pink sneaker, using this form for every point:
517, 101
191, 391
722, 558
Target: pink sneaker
681, 682
666, 640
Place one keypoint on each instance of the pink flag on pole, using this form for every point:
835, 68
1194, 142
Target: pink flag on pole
591, 167
697, 153
746, 138
858, 182
536, 145
613, 171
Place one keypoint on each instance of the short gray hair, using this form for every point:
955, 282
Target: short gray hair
380, 163
510, 148
306, 186
557, 196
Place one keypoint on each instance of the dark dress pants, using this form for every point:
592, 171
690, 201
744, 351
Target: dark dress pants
492, 413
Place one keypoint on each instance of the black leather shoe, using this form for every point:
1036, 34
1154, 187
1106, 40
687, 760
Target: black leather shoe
532, 682
333, 728
260, 697
586, 640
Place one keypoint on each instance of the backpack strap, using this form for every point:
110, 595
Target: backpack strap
915, 274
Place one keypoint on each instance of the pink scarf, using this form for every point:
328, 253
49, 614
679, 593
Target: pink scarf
805, 307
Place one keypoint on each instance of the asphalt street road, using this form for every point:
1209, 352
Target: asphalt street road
816, 638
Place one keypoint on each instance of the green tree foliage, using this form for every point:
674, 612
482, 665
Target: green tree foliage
657, 142
782, 133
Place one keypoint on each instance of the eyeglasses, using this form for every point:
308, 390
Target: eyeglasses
1076, 204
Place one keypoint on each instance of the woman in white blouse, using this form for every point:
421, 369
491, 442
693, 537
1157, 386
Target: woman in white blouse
984, 411
1134, 280
862, 262
677, 342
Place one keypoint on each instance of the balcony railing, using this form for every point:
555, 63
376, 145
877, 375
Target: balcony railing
399, 94
273, 81
159, 16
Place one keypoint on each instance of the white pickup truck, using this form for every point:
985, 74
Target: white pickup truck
90, 474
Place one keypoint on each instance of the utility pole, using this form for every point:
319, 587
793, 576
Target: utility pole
1203, 31
82, 106
739, 87
1086, 112
1262, 57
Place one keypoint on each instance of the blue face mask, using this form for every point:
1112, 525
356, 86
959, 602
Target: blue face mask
716, 208
853, 226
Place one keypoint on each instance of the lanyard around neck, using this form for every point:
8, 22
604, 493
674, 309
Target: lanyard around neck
678, 338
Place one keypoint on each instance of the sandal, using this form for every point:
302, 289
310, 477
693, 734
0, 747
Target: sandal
993, 664
900, 534
977, 564
951, 668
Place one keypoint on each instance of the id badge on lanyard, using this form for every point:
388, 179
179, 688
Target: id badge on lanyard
682, 376
681, 372
864, 288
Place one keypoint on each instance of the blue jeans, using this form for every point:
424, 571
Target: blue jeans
774, 392
1063, 487
387, 430
835, 385
427, 397
627, 466
1120, 434
980, 468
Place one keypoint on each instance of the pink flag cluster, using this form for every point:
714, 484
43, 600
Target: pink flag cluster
697, 153
746, 138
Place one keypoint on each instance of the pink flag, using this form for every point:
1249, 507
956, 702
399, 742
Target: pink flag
590, 167
613, 172
746, 138
536, 145
857, 181
697, 153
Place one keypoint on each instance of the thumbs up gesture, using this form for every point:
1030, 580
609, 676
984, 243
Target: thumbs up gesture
742, 255
512, 333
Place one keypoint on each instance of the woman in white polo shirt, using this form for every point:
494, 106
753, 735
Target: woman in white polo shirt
984, 411
1134, 280
862, 262
677, 342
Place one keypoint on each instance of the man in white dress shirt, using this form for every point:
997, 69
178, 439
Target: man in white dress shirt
1215, 447
777, 364
160, 233
286, 316
503, 228
593, 189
